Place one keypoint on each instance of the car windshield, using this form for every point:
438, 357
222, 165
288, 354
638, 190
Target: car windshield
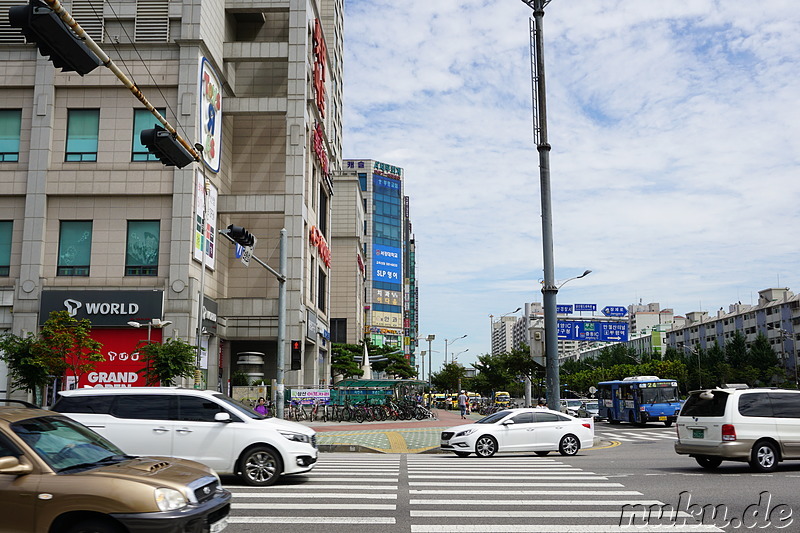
574, 403
494, 417
65, 444
660, 395
237, 406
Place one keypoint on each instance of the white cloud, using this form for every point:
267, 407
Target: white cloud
674, 166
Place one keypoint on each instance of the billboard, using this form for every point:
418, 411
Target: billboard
386, 264
211, 221
380, 296
382, 319
210, 115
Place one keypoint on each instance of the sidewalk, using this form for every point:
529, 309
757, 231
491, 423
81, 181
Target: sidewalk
402, 436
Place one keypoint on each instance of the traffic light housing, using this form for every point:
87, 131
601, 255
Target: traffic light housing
296, 355
166, 147
243, 237
42, 26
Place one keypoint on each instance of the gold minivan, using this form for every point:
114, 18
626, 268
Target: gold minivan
57, 475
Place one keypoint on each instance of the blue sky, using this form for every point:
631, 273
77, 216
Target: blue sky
675, 133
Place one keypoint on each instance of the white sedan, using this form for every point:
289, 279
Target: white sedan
520, 430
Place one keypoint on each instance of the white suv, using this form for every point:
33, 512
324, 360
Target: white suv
205, 426
760, 426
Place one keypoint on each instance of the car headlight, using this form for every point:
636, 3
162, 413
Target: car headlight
465, 432
169, 499
297, 437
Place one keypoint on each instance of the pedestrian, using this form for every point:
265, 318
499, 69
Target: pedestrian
261, 407
542, 404
462, 404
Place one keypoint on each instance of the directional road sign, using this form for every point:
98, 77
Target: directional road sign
585, 307
592, 330
564, 309
615, 310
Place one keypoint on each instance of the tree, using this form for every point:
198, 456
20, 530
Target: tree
343, 362
27, 371
448, 378
166, 362
65, 345
492, 374
764, 360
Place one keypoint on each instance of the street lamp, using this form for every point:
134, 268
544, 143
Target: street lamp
455, 357
446, 341
154, 323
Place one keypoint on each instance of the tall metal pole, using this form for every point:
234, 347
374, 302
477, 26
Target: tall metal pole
281, 353
430, 359
201, 292
549, 289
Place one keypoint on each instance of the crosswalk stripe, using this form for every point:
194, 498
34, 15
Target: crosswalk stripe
526, 514
543, 503
311, 520
340, 487
534, 484
313, 506
338, 495
371, 479
559, 528
475, 477
539, 493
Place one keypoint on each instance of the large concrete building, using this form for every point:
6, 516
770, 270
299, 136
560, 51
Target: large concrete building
91, 223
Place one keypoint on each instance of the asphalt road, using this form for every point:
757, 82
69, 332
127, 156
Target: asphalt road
438, 493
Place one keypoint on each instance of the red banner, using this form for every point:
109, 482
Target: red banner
122, 365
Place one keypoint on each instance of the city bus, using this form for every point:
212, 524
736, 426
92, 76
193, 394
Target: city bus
639, 400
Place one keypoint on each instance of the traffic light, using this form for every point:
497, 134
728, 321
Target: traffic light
296, 354
166, 147
243, 237
41, 25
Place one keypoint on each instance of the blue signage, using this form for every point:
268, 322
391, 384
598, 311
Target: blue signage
564, 309
591, 330
386, 264
239, 249
614, 310
585, 307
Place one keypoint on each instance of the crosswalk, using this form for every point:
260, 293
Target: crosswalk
440, 493
625, 435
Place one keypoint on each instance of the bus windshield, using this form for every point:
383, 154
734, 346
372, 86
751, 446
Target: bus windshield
659, 395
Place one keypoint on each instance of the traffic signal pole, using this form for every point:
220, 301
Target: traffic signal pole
106, 61
281, 350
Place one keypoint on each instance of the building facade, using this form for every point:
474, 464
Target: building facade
94, 222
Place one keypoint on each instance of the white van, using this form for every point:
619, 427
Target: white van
759, 426
204, 426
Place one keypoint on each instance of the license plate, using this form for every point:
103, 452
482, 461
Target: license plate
698, 433
662, 418
219, 525
445, 442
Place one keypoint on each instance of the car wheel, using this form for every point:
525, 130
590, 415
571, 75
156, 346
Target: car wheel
94, 525
569, 445
462, 454
764, 457
708, 462
485, 446
542, 453
260, 466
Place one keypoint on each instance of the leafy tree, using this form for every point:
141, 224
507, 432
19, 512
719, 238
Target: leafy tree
343, 362
736, 350
166, 362
27, 371
395, 364
765, 361
519, 364
448, 378
65, 345
492, 374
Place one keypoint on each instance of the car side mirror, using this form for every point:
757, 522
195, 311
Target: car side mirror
222, 417
508, 422
10, 465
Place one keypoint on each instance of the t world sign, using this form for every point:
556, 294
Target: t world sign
103, 308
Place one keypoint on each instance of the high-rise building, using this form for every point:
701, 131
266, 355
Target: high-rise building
390, 296
90, 222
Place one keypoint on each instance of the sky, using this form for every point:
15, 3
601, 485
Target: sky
675, 134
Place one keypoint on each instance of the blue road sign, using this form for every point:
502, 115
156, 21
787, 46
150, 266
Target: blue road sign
585, 307
615, 310
564, 309
592, 330
239, 250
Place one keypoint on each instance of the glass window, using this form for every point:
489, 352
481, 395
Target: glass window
523, 418
196, 409
83, 404
323, 211
323, 285
548, 417
83, 130
362, 180
5, 246
143, 120
10, 125
755, 404
74, 248
145, 407
700, 404
785, 404
141, 253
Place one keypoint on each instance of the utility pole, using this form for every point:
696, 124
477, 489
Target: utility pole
549, 289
